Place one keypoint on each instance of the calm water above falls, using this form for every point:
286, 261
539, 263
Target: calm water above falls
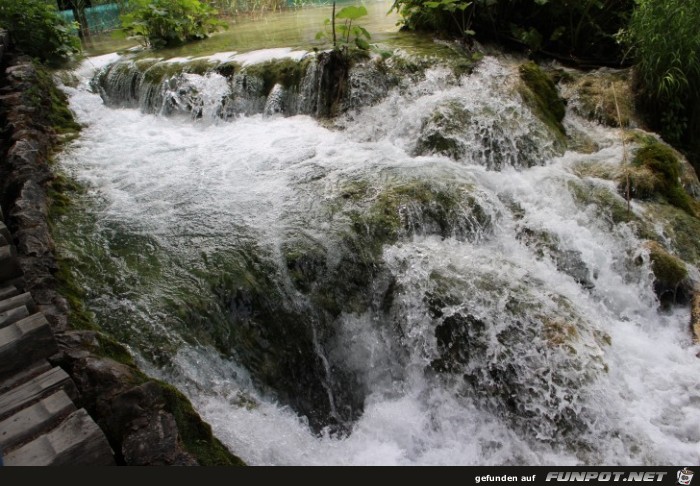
557, 363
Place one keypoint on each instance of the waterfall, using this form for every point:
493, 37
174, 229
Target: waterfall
431, 277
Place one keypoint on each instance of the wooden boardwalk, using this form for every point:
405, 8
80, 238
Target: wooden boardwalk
40, 423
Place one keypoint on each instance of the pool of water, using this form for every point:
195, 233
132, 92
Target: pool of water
296, 28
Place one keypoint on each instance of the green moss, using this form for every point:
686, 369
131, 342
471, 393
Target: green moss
439, 211
109, 348
440, 132
60, 192
437, 143
607, 204
680, 228
656, 172
199, 66
356, 190
305, 262
51, 102
287, 72
406, 65
196, 434
668, 269
157, 72
227, 69
79, 317
463, 66
540, 94
671, 282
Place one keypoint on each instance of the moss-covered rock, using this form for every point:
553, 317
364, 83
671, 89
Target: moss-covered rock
196, 435
671, 282
157, 72
678, 227
526, 358
656, 172
440, 133
418, 208
541, 95
568, 261
305, 261
146, 421
252, 315
607, 204
286, 72
51, 102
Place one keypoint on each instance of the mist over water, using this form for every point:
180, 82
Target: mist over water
183, 190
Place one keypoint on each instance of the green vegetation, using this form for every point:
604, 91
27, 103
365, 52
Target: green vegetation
665, 42
443, 211
577, 30
168, 23
662, 38
36, 29
540, 94
670, 275
345, 33
668, 269
48, 99
655, 171
448, 16
681, 228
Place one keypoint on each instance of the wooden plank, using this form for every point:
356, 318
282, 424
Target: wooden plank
35, 369
36, 389
9, 266
18, 301
13, 315
24, 343
8, 291
78, 441
30, 422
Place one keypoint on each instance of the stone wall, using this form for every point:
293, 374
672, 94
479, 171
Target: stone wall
147, 422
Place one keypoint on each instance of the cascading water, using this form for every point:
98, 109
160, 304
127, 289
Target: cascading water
430, 281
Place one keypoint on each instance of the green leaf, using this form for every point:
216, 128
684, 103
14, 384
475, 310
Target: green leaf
362, 44
364, 32
352, 13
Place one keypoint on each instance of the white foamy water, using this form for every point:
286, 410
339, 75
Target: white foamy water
198, 187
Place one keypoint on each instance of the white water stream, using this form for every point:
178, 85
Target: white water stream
197, 187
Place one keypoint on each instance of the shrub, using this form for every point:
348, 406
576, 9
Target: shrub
579, 30
343, 33
36, 29
167, 23
665, 40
